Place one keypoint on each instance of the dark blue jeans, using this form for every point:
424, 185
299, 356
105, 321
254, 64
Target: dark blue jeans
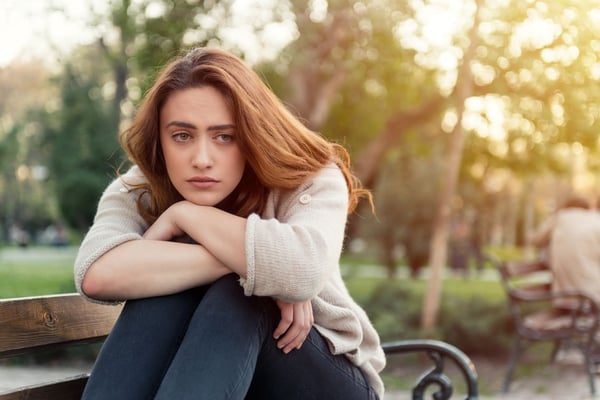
214, 343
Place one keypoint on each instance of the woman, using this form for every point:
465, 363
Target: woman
224, 239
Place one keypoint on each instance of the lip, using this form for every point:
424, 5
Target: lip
202, 182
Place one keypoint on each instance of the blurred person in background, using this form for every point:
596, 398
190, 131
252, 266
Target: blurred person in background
569, 241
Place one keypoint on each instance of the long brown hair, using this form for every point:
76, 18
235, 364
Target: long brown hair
280, 151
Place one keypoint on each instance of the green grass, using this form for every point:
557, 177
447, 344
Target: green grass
35, 271
39, 271
363, 287
20, 281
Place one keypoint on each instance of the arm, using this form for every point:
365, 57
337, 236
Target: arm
144, 268
288, 255
220, 233
224, 235
294, 251
114, 263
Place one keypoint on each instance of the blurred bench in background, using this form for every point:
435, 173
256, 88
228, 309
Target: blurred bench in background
541, 315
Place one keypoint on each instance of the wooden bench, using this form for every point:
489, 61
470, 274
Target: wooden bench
30, 324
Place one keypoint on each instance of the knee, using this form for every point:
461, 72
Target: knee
227, 285
156, 307
229, 294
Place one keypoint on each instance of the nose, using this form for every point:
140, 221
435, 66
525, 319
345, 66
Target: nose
202, 155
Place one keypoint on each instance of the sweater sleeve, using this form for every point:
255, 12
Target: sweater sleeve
292, 255
117, 221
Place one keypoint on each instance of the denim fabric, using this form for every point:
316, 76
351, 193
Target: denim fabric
215, 343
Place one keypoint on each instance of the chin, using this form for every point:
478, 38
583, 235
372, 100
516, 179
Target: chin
203, 201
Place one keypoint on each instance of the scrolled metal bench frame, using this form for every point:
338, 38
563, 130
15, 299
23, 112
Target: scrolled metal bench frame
438, 351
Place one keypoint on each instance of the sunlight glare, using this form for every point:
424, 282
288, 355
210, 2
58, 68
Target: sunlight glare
485, 115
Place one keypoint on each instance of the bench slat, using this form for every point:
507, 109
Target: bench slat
31, 322
66, 389
523, 268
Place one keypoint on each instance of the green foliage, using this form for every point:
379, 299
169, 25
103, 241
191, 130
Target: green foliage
24, 197
406, 203
82, 147
473, 314
377, 68
151, 39
395, 310
478, 326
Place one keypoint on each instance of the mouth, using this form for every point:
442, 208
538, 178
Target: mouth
203, 182
202, 179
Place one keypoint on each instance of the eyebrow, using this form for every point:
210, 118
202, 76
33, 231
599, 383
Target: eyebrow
182, 124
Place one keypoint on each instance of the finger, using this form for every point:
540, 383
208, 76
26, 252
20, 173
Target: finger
309, 314
287, 316
296, 333
303, 322
309, 322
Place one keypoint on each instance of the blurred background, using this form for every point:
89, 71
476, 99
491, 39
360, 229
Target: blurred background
470, 120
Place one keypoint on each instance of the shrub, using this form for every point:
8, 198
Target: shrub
395, 310
477, 325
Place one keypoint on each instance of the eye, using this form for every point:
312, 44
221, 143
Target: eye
181, 136
224, 138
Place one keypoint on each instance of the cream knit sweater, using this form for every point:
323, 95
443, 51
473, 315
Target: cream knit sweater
573, 239
292, 253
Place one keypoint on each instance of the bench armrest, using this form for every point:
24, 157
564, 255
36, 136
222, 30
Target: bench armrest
438, 351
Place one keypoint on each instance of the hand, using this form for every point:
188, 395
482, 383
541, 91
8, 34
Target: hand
295, 325
165, 227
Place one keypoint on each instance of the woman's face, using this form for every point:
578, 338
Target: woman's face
198, 140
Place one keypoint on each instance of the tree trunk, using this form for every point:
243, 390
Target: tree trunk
438, 247
368, 161
313, 90
118, 58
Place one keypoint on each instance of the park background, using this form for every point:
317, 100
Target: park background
470, 121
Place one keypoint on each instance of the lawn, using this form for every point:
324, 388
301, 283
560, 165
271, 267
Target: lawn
362, 287
44, 270
36, 271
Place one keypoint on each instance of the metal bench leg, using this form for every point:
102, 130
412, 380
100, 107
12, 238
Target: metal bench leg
589, 364
555, 349
516, 354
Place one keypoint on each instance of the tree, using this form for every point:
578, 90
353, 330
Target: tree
81, 144
22, 197
95, 87
405, 195
148, 34
438, 254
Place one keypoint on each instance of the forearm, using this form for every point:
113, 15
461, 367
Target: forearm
221, 233
145, 268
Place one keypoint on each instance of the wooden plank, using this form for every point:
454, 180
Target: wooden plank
521, 268
27, 323
534, 289
66, 389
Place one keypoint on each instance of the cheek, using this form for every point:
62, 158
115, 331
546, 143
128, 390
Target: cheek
172, 159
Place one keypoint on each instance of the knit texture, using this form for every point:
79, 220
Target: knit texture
575, 252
